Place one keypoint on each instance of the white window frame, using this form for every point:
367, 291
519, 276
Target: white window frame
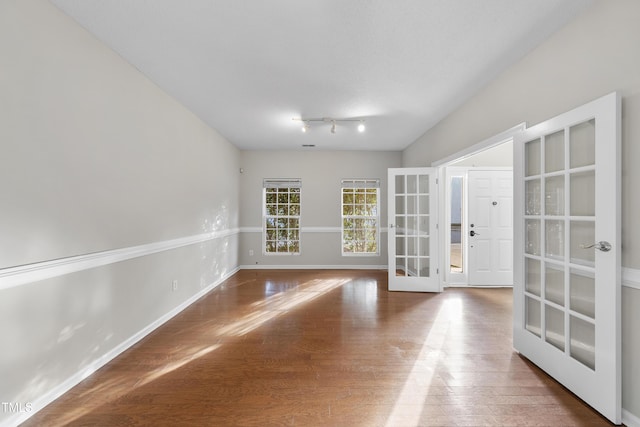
283, 229
352, 184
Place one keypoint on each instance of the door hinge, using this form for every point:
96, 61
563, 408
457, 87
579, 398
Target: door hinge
437, 271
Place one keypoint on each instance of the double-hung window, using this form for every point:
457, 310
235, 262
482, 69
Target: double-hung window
281, 216
360, 216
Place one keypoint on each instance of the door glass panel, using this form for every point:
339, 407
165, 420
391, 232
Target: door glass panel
583, 196
532, 267
554, 239
412, 225
423, 245
532, 315
425, 265
583, 293
554, 152
554, 284
400, 205
400, 184
456, 255
554, 195
412, 247
423, 226
412, 266
401, 266
423, 184
554, 326
583, 144
412, 205
412, 184
532, 238
424, 204
532, 190
582, 233
532, 158
583, 342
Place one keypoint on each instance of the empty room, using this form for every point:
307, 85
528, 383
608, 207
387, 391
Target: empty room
321, 213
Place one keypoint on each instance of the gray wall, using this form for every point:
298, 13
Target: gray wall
96, 158
596, 54
321, 172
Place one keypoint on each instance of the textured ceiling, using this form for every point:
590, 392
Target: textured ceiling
248, 67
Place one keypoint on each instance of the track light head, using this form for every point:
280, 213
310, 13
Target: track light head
361, 127
333, 126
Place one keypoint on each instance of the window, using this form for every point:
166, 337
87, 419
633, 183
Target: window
360, 216
281, 216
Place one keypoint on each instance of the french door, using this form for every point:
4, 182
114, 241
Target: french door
567, 251
413, 237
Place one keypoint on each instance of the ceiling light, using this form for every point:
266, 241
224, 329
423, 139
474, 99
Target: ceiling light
332, 120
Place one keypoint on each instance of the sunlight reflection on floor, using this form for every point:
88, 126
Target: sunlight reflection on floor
408, 407
265, 310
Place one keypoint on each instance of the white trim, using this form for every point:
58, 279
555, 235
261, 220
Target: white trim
630, 420
312, 267
320, 229
75, 379
493, 141
631, 278
20, 275
251, 229
305, 229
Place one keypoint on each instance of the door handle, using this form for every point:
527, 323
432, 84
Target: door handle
601, 246
473, 233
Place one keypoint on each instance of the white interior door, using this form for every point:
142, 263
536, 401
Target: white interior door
413, 237
490, 237
567, 251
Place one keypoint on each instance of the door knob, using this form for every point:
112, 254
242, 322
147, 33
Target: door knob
601, 246
473, 233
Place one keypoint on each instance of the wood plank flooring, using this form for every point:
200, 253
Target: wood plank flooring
325, 348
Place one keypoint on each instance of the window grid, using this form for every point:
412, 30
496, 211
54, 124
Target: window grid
360, 217
281, 221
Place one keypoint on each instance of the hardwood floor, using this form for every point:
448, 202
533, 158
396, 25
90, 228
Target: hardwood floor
324, 348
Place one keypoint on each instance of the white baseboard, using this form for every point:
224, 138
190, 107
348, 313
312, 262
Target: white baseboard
75, 379
630, 420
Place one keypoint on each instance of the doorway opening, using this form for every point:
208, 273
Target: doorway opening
495, 153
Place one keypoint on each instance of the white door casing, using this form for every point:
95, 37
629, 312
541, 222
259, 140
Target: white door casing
567, 251
413, 236
490, 219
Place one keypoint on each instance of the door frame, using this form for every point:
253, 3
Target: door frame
444, 196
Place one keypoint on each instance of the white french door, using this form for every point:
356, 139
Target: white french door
567, 251
413, 237
490, 218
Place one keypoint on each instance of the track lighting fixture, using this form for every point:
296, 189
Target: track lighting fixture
333, 121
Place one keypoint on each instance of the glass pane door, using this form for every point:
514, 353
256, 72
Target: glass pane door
412, 216
567, 283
